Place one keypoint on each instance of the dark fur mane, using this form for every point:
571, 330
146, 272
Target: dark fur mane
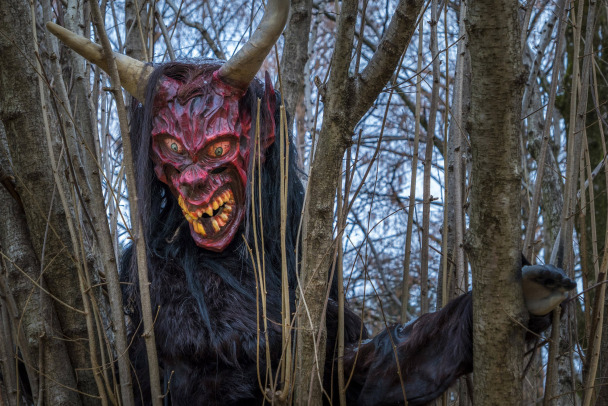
432, 351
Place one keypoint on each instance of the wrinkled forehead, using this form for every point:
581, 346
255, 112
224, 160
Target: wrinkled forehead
195, 112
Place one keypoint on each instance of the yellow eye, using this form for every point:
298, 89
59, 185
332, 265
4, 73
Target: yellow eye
218, 149
174, 145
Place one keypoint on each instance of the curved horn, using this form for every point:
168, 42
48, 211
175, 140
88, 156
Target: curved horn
133, 73
240, 70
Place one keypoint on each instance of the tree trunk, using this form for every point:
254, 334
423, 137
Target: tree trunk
23, 114
318, 250
85, 156
493, 244
36, 320
136, 26
456, 170
456, 279
295, 56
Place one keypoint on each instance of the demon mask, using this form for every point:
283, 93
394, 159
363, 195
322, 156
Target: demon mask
201, 132
201, 148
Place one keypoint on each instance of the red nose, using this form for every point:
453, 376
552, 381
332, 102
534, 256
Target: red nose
193, 181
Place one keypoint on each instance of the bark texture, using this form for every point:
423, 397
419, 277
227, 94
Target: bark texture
80, 128
22, 112
136, 22
493, 244
295, 56
456, 170
35, 326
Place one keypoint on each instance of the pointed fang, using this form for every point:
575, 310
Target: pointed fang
198, 228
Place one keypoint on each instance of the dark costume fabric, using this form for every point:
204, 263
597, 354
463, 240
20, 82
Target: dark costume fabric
204, 298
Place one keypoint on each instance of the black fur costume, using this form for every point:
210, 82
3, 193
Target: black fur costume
206, 327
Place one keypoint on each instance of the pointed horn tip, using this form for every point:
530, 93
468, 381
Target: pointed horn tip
240, 70
74, 41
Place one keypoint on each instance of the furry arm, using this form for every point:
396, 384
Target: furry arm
424, 357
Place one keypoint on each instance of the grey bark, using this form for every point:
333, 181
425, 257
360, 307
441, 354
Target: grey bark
136, 26
22, 114
295, 55
494, 243
84, 150
36, 311
457, 277
293, 66
456, 171
9, 390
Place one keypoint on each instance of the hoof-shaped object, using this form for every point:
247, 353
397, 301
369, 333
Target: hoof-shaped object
545, 287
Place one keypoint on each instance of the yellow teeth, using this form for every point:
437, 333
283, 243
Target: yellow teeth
182, 204
224, 200
198, 228
215, 225
190, 216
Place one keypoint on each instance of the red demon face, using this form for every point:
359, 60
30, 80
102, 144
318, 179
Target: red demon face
200, 148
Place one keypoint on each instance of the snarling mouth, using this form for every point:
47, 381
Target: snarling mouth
211, 218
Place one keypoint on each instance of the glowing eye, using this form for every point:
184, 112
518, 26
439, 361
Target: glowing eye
218, 149
174, 146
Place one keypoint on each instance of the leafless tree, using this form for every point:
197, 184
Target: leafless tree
424, 129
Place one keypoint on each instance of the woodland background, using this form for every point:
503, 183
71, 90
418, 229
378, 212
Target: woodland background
487, 140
